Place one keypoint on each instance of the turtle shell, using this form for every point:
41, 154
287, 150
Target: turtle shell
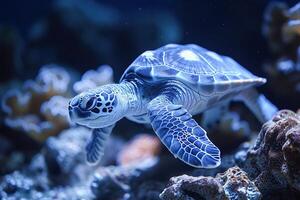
198, 67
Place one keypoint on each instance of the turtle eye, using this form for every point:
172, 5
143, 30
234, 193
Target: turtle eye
90, 104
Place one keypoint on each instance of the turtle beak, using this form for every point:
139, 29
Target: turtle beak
74, 101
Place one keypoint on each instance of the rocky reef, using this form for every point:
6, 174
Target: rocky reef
273, 162
268, 169
124, 181
232, 184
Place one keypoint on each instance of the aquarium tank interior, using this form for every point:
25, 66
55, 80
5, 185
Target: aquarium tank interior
149, 100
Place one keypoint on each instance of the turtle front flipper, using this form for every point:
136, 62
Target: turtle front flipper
95, 147
181, 134
261, 107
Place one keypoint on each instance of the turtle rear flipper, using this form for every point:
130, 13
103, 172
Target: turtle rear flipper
95, 147
261, 107
181, 134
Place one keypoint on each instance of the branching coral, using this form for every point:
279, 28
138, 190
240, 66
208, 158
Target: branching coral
55, 110
51, 80
93, 78
31, 109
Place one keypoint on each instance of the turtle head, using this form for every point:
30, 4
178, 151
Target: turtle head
97, 108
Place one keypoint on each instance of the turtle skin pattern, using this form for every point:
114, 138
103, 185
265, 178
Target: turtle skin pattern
95, 147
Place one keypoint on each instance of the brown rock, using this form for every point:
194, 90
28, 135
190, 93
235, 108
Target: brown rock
232, 184
274, 161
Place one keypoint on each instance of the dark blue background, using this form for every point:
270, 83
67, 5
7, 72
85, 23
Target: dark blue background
230, 27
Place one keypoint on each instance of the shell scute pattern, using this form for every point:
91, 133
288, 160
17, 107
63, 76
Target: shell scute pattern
148, 58
168, 71
144, 72
186, 59
207, 79
221, 77
193, 78
206, 90
206, 72
163, 71
203, 70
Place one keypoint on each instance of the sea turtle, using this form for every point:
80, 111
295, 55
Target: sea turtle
165, 87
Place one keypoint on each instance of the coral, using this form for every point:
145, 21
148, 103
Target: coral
94, 78
141, 147
34, 108
20, 186
65, 155
55, 110
15, 102
32, 182
237, 185
51, 80
188, 187
38, 170
122, 180
33, 126
241, 153
281, 28
16, 182
273, 162
232, 184
28, 183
